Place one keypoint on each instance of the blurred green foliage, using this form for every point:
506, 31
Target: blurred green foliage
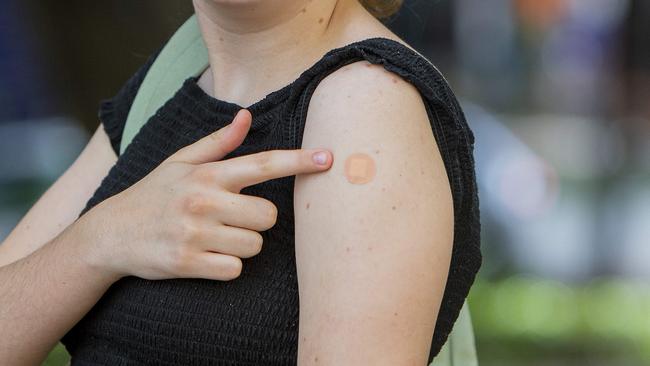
531, 321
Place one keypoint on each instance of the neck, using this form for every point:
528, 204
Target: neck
257, 46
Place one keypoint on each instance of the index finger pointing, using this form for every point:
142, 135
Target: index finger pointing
243, 171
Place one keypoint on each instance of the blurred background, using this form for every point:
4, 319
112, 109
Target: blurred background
557, 93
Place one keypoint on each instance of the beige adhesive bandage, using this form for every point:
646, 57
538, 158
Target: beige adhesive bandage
359, 168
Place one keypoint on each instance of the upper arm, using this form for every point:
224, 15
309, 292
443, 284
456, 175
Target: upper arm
372, 259
63, 201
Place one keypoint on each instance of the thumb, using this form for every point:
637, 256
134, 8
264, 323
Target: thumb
218, 144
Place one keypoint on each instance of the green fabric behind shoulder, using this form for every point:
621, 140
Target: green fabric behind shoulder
184, 56
460, 349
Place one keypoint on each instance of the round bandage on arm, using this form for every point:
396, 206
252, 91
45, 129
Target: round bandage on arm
359, 168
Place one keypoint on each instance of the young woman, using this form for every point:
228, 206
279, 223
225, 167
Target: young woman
216, 238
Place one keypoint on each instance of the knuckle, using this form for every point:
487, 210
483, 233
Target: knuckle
185, 232
264, 161
304, 160
271, 215
182, 260
233, 269
195, 203
180, 152
202, 174
258, 242
253, 244
169, 164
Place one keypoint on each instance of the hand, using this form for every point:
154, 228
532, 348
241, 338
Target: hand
187, 218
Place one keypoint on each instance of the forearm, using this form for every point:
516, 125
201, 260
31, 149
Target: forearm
44, 294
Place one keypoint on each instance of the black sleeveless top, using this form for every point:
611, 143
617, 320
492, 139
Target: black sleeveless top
253, 319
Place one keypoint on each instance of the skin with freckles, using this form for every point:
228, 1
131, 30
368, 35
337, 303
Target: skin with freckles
371, 259
359, 168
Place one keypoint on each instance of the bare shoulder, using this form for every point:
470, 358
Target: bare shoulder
364, 102
364, 85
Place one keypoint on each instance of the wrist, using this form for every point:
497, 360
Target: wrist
93, 246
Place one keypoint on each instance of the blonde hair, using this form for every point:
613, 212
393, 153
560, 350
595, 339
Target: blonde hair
382, 8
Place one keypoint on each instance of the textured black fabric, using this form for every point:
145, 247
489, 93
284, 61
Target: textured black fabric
253, 320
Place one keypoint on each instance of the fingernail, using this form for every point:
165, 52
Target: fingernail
320, 158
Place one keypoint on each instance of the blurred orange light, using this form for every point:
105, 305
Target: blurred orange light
540, 14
